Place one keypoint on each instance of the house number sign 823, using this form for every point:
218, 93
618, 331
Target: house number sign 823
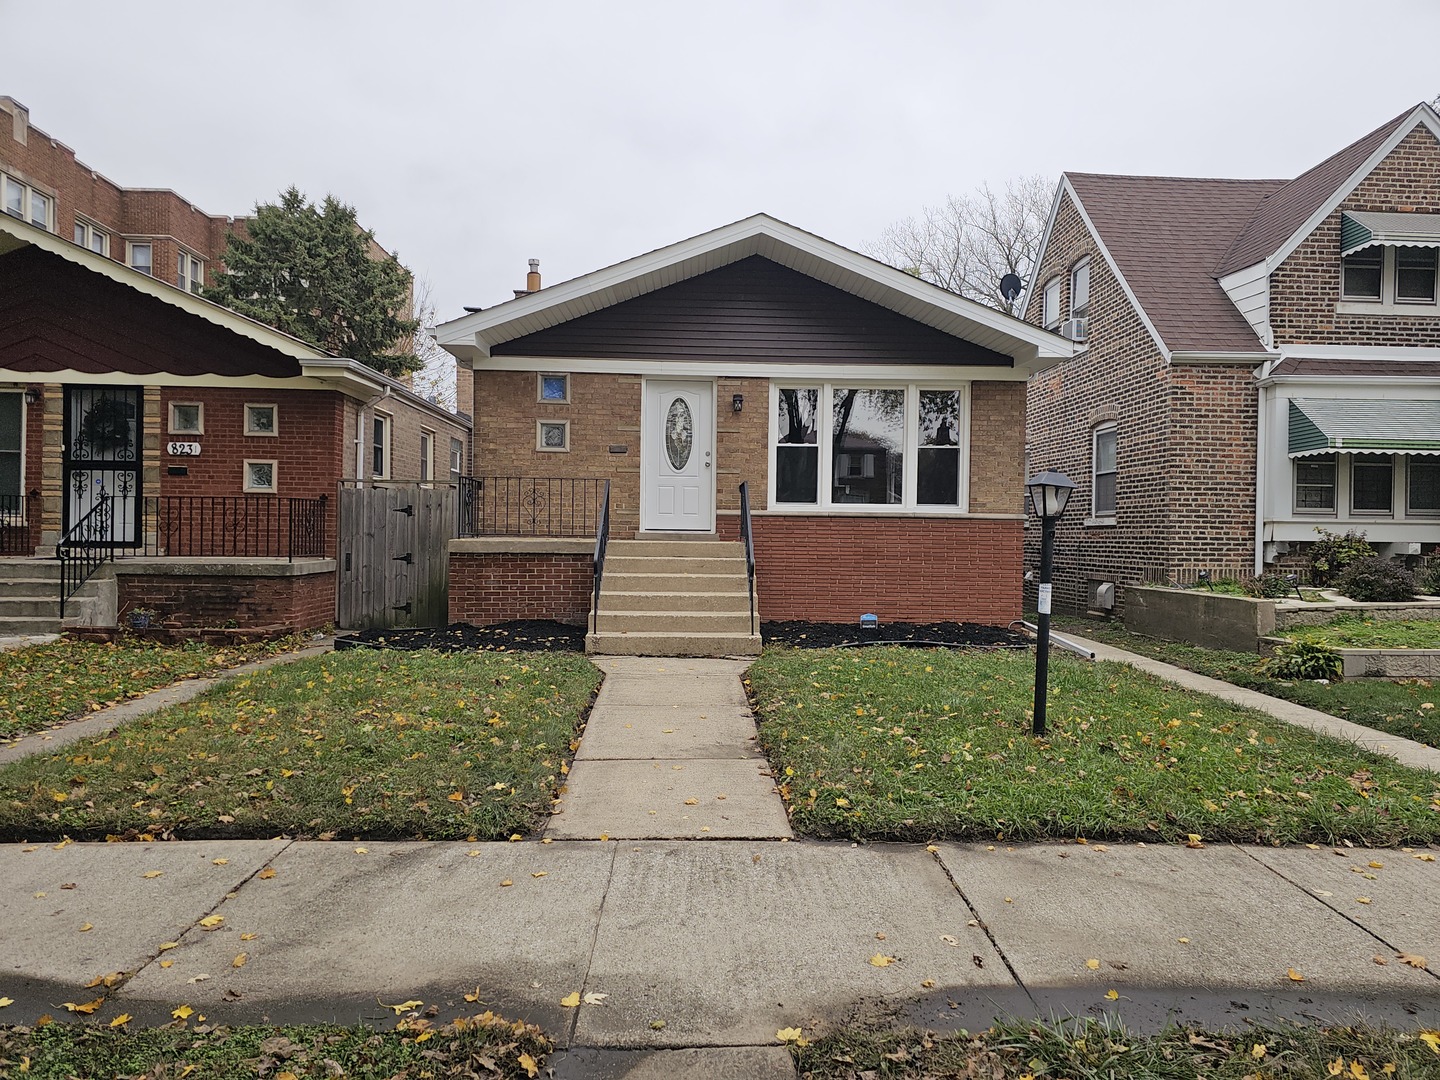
183, 449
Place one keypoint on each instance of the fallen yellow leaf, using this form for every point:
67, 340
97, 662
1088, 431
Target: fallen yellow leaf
593, 998
404, 1006
1413, 961
4, 1002
86, 928
248, 937
1362, 899
1113, 995
1295, 976
266, 874
1377, 866
1358, 1071
152, 873
787, 1035
210, 922
184, 1012
1093, 964
927, 983
239, 960
571, 1000
423, 1036
1192, 840
1426, 857
1431, 1039
506, 883
286, 1075
1258, 1050
454, 796
362, 851
541, 873
87, 1008
881, 960
529, 1064
167, 963
169, 945
121, 1020
691, 802
221, 862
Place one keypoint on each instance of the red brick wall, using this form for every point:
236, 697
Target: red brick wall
490, 588
303, 602
832, 568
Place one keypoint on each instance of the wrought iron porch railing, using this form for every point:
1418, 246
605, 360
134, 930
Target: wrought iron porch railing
15, 517
234, 526
745, 535
602, 541
86, 547
530, 506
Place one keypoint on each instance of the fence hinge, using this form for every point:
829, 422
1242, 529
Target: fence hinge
408, 511
406, 559
405, 607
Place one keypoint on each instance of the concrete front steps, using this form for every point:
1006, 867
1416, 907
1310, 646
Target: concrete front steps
30, 598
674, 597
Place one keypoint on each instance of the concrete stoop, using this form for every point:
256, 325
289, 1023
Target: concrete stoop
30, 598
674, 598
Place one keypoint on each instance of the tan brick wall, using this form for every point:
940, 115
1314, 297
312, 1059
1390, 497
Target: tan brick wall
997, 447
742, 451
406, 423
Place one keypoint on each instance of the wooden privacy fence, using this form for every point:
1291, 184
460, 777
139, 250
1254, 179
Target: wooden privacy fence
393, 541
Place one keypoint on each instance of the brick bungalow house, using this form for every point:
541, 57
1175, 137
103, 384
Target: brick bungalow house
875, 419
1256, 359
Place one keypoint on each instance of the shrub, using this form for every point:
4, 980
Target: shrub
1271, 586
1428, 579
1375, 579
1303, 660
1332, 553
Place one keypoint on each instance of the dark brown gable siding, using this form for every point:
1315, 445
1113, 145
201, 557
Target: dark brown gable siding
752, 310
56, 315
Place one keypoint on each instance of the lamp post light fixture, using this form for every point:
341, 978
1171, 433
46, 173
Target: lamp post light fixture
1049, 492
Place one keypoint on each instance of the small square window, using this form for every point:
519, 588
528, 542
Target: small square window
141, 257
187, 418
261, 420
555, 388
260, 476
552, 435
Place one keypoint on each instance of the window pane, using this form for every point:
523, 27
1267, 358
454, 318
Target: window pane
1424, 485
1080, 288
797, 474
1104, 494
14, 198
938, 480
1105, 451
797, 411
186, 417
1415, 274
140, 257
1103, 498
1315, 483
869, 427
39, 209
552, 387
1052, 303
1361, 274
80, 234
1370, 486
97, 242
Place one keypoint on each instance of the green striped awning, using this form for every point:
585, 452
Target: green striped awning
1364, 228
1363, 425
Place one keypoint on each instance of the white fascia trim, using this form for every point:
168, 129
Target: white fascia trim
1115, 269
1044, 245
1202, 356
755, 369
29, 235
1422, 114
361, 382
1350, 383
1359, 352
473, 329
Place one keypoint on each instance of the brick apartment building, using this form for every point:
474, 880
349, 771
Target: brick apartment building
121, 386
1257, 358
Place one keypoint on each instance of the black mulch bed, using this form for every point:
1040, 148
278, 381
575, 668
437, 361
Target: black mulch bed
808, 635
528, 635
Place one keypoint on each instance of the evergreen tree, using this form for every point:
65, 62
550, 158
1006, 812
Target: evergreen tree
308, 271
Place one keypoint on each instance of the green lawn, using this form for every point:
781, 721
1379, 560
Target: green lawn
483, 1045
1407, 708
901, 744
1357, 632
44, 685
359, 743
1096, 1050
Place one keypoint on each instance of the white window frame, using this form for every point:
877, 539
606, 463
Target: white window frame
1315, 511
1411, 460
910, 446
89, 233
1050, 304
540, 377
541, 425
1079, 310
1354, 460
28, 196
176, 429
1389, 301
252, 488
258, 433
427, 456
457, 459
1097, 514
190, 272
387, 425
130, 246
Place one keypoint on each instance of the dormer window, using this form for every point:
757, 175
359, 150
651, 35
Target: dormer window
1415, 275
1051, 304
1391, 261
1361, 274
1080, 289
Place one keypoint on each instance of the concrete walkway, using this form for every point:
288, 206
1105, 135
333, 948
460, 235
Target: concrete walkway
1406, 751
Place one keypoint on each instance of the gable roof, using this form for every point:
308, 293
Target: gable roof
1287, 209
474, 335
1165, 235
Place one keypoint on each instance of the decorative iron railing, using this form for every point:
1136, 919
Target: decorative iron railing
234, 526
86, 547
745, 536
602, 541
529, 506
16, 516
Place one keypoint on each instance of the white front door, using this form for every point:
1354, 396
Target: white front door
677, 457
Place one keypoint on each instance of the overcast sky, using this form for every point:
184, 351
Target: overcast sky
474, 136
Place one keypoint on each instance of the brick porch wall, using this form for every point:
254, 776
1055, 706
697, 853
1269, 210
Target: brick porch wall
830, 568
495, 587
302, 602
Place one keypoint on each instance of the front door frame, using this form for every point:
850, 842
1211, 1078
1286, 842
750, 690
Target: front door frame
88, 469
651, 452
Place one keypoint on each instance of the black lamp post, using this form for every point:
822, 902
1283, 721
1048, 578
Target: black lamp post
1049, 492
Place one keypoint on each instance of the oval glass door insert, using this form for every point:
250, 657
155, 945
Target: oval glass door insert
679, 434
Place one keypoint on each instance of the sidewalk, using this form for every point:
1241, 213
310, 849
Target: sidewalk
715, 944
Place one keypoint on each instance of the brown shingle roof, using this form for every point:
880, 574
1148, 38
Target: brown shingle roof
1370, 369
1167, 234
1284, 211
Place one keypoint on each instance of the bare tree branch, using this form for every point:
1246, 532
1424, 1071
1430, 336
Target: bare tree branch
969, 243
435, 379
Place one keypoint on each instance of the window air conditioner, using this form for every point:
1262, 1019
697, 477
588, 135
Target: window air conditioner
1074, 329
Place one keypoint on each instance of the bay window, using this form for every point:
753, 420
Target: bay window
841, 445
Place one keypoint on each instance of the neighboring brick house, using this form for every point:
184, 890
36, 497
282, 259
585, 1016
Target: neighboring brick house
1257, 358
875, 418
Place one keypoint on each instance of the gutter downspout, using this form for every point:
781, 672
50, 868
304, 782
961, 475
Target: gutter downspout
1262, 458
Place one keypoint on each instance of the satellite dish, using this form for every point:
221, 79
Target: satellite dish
1010, 286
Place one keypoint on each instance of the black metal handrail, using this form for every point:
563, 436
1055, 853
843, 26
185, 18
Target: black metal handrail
86, 547
602, 541
745, 535
234, 526
15, 521
550, 506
